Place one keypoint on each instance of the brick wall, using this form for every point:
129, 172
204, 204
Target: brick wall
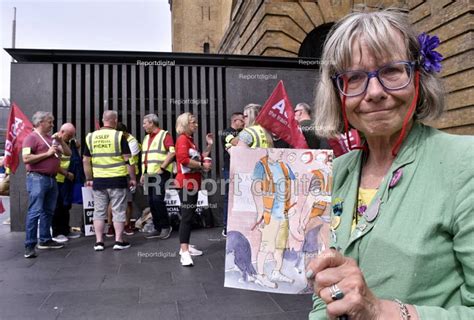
277, 28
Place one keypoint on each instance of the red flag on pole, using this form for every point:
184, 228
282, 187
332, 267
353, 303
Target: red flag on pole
340, 145
18, 127
278, 117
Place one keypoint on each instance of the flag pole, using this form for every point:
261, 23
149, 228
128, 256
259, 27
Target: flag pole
14, 30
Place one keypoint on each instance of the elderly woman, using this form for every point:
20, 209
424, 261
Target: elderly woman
402, 224
188, 180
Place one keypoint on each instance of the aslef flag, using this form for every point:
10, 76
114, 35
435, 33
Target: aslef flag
278, 117
18, 127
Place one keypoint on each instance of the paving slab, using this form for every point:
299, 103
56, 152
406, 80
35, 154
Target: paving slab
145, 281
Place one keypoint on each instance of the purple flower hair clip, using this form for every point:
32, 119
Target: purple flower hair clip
429, 59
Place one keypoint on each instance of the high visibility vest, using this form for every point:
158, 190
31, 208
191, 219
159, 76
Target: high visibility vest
106, 152
155, 154
64, 164
259, 137
319, 207
269, 189
134, 159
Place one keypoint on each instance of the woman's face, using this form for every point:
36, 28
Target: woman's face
378, 112
192, 125
246, 118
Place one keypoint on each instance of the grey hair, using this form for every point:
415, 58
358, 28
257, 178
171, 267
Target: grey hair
305, 107
380, 30
41, 116
252, 112
152, 118
182, 122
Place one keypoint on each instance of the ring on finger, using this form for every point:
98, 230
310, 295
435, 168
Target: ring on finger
336, 293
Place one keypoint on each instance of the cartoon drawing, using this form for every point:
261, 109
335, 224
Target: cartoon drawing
240, 247
270, 241
273, 199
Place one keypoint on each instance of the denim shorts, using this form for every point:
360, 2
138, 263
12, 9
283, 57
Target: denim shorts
117, 197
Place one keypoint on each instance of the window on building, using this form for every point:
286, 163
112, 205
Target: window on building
206, 47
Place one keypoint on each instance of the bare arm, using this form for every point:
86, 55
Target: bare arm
66, 150
130, 169
210, 142
257, 193
35, 158
86, 161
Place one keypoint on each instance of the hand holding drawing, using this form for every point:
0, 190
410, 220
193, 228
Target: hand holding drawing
339, 282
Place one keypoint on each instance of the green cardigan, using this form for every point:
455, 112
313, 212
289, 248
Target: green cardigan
420, 247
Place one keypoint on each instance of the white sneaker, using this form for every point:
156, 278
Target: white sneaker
60, 238
192, 251
262, 280
186, 260
280, 277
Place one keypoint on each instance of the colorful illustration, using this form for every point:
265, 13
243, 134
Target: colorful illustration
279, 208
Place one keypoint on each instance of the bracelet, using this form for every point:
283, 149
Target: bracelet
405, 315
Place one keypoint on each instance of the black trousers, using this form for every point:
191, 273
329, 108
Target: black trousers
156, 200
60, 221
189, 201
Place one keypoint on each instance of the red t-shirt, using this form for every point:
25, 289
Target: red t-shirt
33, 144
186, 150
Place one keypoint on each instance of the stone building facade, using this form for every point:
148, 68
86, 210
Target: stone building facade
290, 28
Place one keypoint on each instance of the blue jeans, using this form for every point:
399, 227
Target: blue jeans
226, 196
42, 196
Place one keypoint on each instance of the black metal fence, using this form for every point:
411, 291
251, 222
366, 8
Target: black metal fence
81, 92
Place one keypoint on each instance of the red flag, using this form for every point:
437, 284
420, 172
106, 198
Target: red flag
278, 117
340, 145
18, 128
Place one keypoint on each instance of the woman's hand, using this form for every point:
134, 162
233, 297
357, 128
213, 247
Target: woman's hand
357, 301
210, 139
206, 166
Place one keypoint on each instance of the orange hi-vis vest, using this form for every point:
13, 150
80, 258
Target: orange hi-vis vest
320, 206
269, 189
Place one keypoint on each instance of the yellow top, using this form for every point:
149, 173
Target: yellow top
364, 199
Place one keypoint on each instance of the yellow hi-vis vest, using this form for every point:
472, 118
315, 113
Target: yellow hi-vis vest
134, 159
258, 135
106, 152
64, 164
155, 154
269, 189
319, 207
